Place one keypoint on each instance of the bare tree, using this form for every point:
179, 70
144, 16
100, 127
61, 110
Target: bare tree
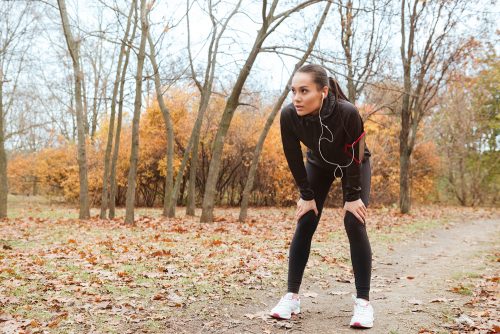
96, 55
73, 47
15, 27
205, 89
168, 124
361, 63
116, 85
463, 130
134, 151
436, 20
272, 116
270, 21
116, 147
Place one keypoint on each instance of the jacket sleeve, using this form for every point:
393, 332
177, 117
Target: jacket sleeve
356, 143
294, 157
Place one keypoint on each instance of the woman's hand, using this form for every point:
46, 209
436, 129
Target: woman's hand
357, 208
304, 206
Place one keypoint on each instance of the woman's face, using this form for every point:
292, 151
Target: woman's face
306, 97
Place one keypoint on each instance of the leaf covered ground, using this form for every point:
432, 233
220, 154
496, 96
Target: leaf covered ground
170, 275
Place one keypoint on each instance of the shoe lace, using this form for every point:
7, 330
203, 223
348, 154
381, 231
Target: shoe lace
284, 301
362, 310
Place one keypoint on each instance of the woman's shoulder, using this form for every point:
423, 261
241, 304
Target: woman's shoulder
288, 111
347, 108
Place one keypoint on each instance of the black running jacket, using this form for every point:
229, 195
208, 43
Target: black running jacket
344, 121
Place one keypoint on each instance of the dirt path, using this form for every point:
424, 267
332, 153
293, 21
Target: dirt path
406, 277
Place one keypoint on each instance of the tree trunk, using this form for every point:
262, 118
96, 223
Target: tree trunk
205, 93
73, 47
116, 148
191, 196
191, 199
109, 143
404, 184
404, 195
134, 151
4, 190
231, 105
168, 125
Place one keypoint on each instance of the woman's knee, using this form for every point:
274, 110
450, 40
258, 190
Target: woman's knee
353, 225
308, 222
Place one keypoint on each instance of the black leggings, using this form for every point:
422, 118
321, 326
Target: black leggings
320, 181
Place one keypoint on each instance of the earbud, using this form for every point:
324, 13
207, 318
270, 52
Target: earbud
323, 95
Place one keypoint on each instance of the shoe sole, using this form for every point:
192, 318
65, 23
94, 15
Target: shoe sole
357, 324
277, 316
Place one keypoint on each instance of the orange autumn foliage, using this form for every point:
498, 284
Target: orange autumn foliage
383, 141
54, 171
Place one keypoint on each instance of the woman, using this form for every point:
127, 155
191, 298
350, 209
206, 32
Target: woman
322, 118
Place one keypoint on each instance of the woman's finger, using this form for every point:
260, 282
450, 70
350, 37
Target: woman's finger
364, 215
362, 211
359, 218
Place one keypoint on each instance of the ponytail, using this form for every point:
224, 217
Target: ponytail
335, 88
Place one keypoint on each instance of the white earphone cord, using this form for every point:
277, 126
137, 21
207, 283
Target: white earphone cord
319, 143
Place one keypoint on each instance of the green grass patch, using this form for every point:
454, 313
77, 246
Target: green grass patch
464, 289
461, 275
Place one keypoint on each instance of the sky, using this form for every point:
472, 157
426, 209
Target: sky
52, 67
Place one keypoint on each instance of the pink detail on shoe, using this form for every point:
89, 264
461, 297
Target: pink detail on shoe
277, 316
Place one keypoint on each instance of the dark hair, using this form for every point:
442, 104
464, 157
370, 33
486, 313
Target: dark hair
321, 79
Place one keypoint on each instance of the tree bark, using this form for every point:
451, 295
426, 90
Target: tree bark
73, 47
116, 148
134, 151
4, 189
168, 125
109, 143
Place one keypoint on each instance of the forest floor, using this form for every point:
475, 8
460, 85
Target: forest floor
435, 270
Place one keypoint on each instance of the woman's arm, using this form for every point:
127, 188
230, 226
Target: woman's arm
356, 143
294, 157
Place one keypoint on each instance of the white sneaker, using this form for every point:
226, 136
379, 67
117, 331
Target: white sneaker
286, 307
363, 313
